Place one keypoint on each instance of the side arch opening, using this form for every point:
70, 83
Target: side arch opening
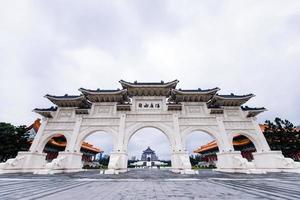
245, 145
96, 148
54, 145
202, 148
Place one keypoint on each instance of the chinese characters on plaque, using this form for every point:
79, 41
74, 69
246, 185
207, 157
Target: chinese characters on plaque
148, 105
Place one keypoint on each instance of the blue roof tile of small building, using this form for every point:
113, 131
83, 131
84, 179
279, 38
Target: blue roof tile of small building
148, 150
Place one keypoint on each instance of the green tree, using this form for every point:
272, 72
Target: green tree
12, 140
282, 135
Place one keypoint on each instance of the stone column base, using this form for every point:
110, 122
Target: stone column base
274, 161
73, 160
232, 160
117, 162
24, 162
180, 161
65, 162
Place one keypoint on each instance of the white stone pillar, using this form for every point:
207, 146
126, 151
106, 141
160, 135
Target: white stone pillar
226, 144
263, 144
180, 158
178, 140
119, 158
36, 141
228, 159
71, 145
69, 160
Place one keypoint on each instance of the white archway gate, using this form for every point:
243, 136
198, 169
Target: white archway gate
159, 105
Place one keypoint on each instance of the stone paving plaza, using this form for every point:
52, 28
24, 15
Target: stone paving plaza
150, 184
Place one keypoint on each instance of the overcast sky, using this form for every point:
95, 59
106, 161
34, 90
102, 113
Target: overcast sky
59, 46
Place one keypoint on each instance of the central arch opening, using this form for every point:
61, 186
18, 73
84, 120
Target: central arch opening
149, 148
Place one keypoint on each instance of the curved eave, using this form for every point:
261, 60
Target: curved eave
103, 92
68, 101
210, 146
93, 149
193, 95
254, 113
105, 96
45, 112
213, 145
171, 84
45, 109
83, 146
234, 97
64, 98
246, 108
231, 100
58, 144
196, 92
